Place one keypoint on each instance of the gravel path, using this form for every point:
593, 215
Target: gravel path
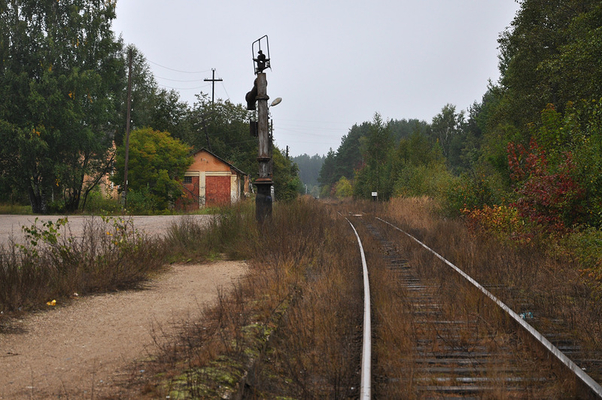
79, 351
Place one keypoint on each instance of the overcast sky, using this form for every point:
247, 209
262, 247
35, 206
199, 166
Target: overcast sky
334, 62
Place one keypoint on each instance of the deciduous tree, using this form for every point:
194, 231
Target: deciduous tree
157, 163
60, 75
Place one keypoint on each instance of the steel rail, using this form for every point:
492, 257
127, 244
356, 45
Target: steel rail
366, 377
584, 377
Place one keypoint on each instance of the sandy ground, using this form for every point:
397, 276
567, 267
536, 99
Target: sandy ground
80, 350
85, 347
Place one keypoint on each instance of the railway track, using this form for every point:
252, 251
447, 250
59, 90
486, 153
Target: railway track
456, 339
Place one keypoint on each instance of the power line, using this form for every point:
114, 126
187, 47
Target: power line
305, 131
224, 87
191, 88
177, 70
212, 80
179, 80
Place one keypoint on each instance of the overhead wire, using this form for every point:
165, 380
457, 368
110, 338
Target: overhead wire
191, 88
177, 70
224, 87
186, 80
179, 80
304, 131
288, 130
299, 128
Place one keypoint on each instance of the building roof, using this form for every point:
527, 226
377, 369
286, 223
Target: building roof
221, 159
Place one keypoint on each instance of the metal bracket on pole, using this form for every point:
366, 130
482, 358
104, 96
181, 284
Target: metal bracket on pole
261, 60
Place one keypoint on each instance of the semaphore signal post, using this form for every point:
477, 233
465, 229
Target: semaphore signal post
258, 98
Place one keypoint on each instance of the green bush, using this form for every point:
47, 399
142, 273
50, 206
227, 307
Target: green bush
325, 191
157, 163
142, 201
423, 180
468, 192
343, 188
98, 204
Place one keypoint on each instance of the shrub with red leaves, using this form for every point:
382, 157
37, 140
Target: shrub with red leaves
547, 196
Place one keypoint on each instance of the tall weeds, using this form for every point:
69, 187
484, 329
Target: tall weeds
523, 275
231, 233
290, 328
53, 265
315, 352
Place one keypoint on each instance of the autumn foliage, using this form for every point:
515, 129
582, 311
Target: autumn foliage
547, 196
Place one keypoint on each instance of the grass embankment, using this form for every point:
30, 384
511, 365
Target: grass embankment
533, 274
10, 208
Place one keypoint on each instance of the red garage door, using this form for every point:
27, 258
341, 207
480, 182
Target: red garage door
217, 191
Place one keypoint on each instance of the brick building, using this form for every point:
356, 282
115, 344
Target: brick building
211, 181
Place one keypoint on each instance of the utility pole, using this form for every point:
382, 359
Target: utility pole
127, 129
213, 80
263, 202
259, 95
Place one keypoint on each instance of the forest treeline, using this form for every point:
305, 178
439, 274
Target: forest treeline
63, 92
309, 170
524, 162
533, 142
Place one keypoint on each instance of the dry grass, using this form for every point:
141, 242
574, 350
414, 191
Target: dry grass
232, 234
291, 328
53, 265
524, 278
551, 285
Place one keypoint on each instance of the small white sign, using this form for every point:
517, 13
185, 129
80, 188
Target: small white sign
374, 194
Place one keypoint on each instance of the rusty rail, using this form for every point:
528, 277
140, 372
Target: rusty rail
588, 381
366, 377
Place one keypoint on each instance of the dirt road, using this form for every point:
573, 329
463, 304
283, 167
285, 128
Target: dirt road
10, 225
79, 351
